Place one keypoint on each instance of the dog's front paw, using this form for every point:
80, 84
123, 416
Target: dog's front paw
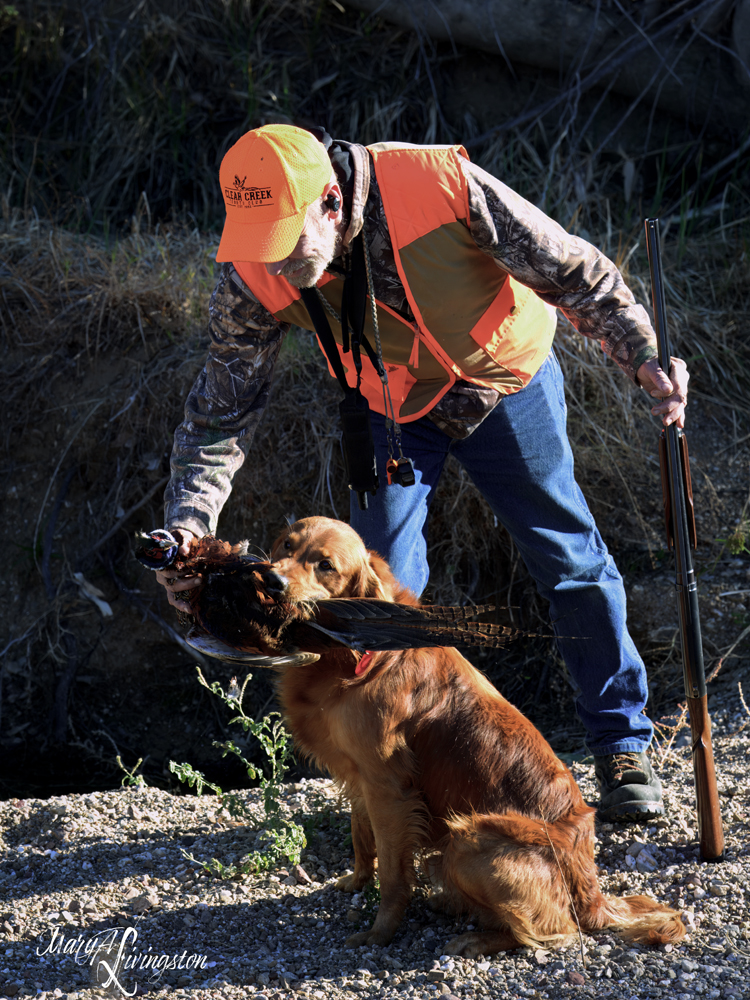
353, 882
465, 944
370, 937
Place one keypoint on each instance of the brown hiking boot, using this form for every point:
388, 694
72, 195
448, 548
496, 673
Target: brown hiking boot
629, 790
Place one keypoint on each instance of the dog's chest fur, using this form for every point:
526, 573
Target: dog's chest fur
413, 722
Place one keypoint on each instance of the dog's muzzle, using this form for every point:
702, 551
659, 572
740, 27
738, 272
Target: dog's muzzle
274, 583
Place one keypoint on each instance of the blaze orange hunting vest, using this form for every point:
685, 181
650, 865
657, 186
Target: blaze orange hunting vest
472, 320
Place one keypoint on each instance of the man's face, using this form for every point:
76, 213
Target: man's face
314, 251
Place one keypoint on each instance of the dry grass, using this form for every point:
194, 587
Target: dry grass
108, 101
110, 104
103, 319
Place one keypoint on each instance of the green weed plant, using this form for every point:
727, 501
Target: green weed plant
282, 838
130, 778
737, 542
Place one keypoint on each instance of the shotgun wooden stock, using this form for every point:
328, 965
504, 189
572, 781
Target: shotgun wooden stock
710, 829
681, 535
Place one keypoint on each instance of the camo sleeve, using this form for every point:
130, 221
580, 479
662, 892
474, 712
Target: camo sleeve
565, 271
224, 406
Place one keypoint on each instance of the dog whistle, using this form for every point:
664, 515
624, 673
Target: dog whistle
400, 471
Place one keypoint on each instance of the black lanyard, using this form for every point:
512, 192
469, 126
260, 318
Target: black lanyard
356, 432
353, 307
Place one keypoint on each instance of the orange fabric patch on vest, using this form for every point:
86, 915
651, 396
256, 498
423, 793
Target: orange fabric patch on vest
410, 215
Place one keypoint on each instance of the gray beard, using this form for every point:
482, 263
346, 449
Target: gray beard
309, 274
314, 267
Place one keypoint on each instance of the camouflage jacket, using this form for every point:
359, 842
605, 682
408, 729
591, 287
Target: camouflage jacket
227, 400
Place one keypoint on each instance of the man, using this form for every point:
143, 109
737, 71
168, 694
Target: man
467, 277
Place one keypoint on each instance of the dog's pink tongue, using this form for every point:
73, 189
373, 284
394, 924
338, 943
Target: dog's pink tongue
363, 664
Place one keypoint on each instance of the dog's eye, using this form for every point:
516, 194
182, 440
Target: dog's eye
287, 544
325, 564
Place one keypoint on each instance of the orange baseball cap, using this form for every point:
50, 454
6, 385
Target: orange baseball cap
269, 178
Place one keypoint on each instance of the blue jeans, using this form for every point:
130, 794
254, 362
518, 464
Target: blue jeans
521, 461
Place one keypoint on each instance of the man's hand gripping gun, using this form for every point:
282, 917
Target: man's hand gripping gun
681, 536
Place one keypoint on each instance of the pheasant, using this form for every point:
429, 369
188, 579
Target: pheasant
241, 616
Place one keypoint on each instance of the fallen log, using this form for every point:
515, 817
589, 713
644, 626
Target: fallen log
690, 58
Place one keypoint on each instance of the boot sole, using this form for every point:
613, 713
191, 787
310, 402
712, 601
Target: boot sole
630, 812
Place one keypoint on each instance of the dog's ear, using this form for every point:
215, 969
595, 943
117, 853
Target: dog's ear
375, 579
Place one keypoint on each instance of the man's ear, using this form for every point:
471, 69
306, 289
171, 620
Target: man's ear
333, 201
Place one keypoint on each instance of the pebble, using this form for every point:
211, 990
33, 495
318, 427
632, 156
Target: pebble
301, 875
635, 849
282, 933
646, 862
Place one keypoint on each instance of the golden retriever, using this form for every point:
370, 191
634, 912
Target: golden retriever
437, 764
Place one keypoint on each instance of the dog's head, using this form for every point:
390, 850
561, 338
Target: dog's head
318, 557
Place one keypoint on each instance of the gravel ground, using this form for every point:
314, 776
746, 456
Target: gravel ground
85, 877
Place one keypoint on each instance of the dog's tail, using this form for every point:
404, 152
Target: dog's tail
539, 880
637, 918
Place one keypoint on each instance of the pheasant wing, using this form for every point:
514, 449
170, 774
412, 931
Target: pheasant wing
368, 624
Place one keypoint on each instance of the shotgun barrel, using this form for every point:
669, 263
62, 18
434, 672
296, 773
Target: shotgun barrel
681, 533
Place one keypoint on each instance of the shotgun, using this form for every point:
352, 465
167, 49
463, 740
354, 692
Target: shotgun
679, 516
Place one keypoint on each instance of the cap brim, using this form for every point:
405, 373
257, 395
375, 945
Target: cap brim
264, 242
